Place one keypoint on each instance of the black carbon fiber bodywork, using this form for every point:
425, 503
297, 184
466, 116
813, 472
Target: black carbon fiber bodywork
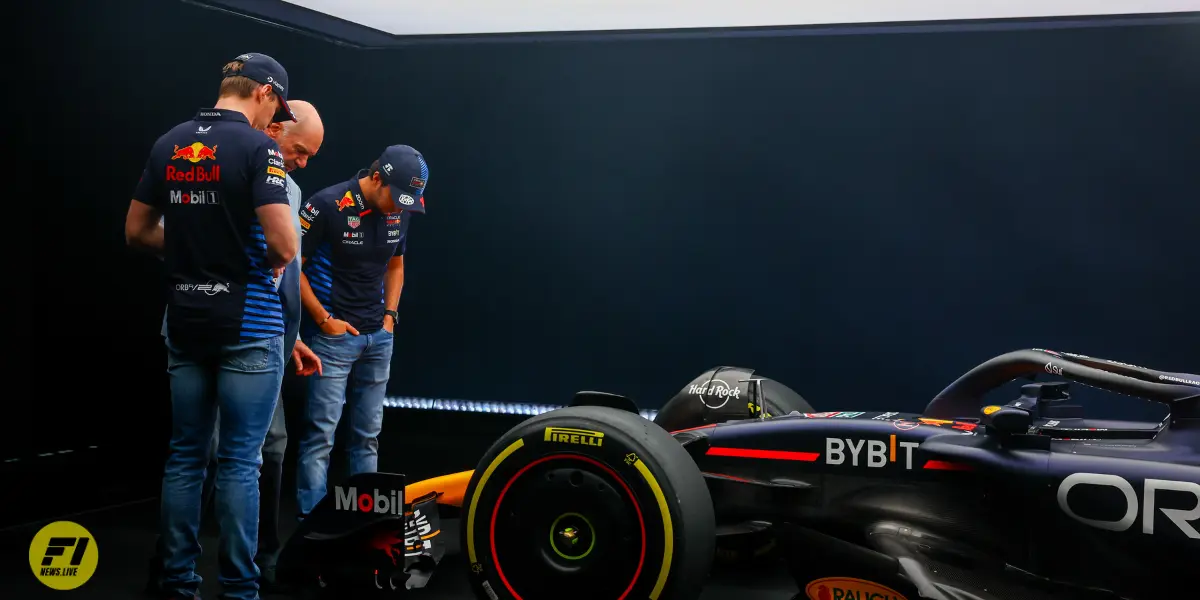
1028, 500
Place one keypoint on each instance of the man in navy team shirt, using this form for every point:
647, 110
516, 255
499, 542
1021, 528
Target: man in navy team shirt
355, 235
216, 179
299, 141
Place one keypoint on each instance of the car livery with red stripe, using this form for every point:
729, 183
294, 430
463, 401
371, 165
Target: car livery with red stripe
1026, 500
1029, 499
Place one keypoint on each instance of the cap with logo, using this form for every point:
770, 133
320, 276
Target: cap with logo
404, 170
267, 71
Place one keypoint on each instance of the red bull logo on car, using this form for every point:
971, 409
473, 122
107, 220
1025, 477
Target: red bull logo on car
848, 588
390, 543
195, 153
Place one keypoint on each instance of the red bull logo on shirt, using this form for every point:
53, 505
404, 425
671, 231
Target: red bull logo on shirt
196, 174
195, 153
344, 202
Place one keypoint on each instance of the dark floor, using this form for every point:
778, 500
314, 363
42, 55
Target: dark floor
125, 537
125, 533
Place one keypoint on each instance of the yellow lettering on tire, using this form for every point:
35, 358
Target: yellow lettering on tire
659, 498
487, 474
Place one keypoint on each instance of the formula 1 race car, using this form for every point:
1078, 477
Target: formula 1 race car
1028, 500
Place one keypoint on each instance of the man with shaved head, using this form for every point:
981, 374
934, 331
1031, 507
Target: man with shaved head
298, 141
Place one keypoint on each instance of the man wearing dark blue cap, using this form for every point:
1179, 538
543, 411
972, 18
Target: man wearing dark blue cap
220, 181
355, 235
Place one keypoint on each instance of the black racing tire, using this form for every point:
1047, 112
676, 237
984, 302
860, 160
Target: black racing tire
550, 486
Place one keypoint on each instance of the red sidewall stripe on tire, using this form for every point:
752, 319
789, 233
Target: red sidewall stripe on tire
595, 463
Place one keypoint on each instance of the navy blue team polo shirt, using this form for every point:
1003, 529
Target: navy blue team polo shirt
347, 247
207, 176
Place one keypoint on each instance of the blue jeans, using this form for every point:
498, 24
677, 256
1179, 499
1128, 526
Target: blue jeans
243, 381
270, 486
356, 370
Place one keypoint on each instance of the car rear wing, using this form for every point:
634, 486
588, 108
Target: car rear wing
1180, 392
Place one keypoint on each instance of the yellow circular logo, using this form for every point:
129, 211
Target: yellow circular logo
987, 410
63, 555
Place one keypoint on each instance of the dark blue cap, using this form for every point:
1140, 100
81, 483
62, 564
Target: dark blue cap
267, 71
405, 171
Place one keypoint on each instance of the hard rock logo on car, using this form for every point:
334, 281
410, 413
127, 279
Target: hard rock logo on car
716, 394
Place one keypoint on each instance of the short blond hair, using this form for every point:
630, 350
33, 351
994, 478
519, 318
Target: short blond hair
236, 85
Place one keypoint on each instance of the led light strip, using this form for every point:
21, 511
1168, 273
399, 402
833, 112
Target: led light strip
474, 406
45, 455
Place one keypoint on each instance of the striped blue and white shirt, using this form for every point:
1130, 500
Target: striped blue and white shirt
289, 284
207, 176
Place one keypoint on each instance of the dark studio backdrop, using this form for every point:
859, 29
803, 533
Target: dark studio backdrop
863, 217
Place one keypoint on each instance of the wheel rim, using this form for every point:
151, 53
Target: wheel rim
565, 525
572, 536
